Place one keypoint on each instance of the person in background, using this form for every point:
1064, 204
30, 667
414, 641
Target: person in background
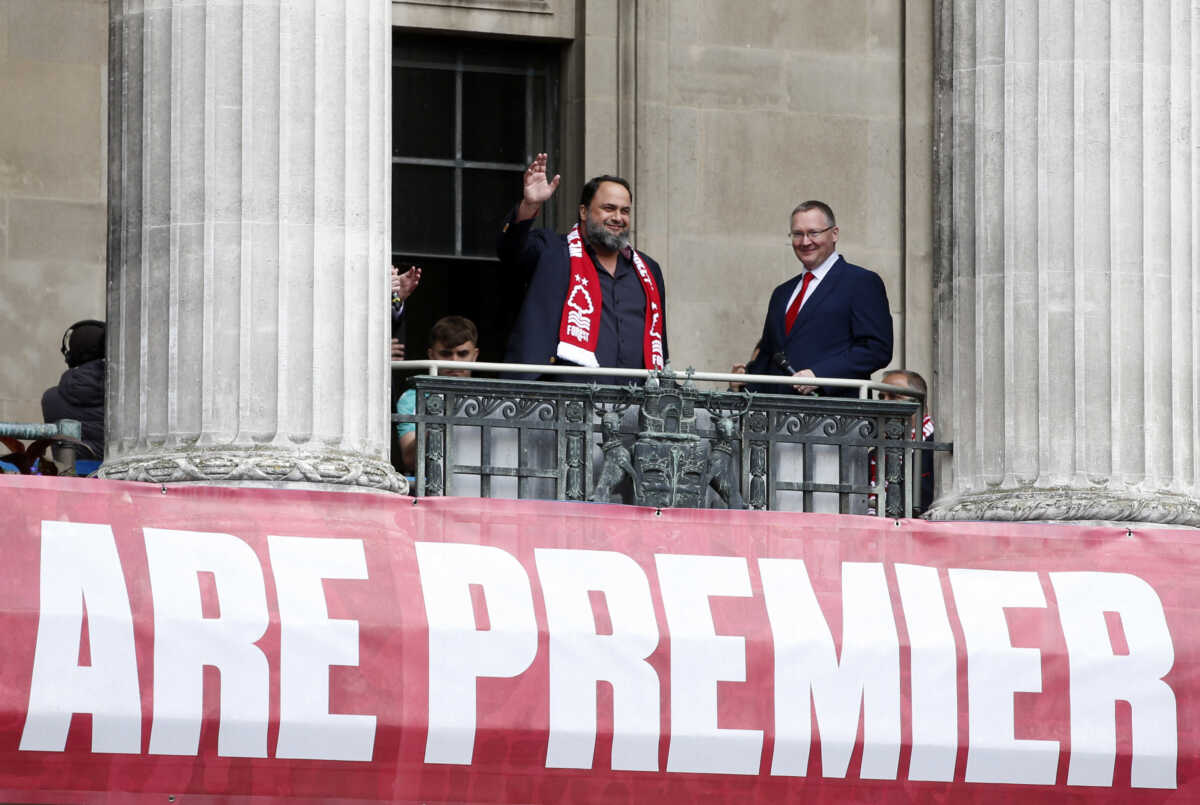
403, 284
80, 391
740, 369
452, 338
913, 380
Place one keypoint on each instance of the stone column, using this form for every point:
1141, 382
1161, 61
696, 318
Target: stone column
249, 219
1068, 303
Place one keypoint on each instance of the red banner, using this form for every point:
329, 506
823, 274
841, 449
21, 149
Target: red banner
202, 643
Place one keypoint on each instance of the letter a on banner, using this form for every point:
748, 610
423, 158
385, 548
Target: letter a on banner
80, 567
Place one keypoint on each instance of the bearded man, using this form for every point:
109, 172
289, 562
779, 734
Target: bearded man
592, 300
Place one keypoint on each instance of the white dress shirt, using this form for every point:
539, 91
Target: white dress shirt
818, 274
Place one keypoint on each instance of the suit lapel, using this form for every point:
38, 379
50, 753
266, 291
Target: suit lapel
825, 289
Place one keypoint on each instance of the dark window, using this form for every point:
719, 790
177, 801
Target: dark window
468, 115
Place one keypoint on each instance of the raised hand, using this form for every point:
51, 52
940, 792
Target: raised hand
404, 284
537, 188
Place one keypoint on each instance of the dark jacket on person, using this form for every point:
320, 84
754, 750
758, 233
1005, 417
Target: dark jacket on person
541, 257
80, 395
844, 330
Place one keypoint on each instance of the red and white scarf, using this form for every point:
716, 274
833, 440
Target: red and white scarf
579, 331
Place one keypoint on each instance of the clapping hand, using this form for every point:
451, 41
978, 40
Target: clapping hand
403, 284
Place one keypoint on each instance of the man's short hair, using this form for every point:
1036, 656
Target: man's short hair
451, 331
589, 189
813, 204
911, 379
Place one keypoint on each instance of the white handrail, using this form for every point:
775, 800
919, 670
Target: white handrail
864, 386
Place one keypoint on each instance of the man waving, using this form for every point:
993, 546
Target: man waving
592, 300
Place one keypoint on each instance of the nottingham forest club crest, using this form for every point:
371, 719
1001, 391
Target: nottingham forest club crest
579, 309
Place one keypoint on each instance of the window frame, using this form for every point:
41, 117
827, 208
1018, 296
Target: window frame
539, 61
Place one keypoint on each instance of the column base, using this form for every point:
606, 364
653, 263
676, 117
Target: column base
1064, 504
259, 467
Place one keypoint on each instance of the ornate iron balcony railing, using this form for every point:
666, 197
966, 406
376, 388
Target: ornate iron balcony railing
665, 443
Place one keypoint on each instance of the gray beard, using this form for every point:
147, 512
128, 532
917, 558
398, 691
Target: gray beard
598, 235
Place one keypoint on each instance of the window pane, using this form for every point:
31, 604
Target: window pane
499, 296
477, 289
422, 209
540, 101
488, 195
494, 117
423, 113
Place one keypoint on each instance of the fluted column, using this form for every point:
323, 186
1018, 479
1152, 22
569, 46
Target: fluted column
1068, 338
249, 213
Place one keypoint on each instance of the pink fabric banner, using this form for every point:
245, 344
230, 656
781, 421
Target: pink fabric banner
206, 643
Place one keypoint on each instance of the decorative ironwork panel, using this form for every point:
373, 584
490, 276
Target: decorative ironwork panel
687, 447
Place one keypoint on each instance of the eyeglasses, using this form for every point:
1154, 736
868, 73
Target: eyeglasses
811, 234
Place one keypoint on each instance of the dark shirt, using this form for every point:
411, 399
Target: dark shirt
540, 258
622, 315
398, 321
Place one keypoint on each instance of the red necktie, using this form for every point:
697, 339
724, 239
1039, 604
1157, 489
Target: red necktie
794, 309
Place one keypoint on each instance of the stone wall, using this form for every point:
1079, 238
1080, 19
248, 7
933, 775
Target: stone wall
726, 114
751, 109
723, 113
53, 56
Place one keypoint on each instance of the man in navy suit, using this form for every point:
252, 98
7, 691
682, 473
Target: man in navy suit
592, 300
831, 320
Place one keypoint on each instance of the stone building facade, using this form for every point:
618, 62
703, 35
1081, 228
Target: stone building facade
952, 137
53, 144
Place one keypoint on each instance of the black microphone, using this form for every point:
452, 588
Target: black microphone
780, 360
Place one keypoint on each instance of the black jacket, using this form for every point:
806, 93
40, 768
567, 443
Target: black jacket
542, 257
80, 395
843, 330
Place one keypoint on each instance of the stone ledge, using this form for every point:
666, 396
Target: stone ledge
527, 6
1070, 505
258, 465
